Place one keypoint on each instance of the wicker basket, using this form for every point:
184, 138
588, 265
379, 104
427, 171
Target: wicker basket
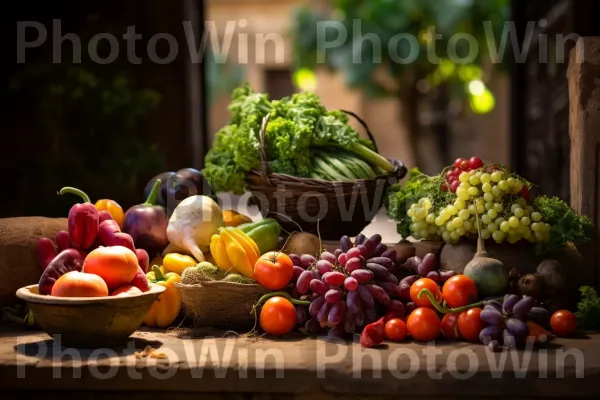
331, 208
226, 305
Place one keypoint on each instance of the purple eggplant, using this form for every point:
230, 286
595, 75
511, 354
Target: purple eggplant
162, 194
147, 223
184, 183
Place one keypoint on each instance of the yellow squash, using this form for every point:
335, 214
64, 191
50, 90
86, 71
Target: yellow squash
219, 254
240, 252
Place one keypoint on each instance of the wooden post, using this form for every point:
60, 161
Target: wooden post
584, 131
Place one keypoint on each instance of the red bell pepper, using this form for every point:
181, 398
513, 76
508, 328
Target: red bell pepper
373, 334
82, 221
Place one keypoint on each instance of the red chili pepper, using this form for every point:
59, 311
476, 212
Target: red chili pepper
373, 334
83, 221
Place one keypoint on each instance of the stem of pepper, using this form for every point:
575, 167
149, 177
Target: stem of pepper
446, 310
286, 296
153, 196
78, 192
158, 275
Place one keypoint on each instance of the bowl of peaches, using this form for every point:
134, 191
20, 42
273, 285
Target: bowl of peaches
92, 300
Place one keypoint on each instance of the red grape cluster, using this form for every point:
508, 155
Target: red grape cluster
460, 165
507, 322
349, 288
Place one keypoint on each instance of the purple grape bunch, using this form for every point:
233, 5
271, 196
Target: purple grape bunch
507, 321
349, 288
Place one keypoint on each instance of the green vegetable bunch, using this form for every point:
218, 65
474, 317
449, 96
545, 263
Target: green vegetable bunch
588, 308
298, 126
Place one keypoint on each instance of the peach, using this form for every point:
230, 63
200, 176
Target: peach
117, 265
79, 284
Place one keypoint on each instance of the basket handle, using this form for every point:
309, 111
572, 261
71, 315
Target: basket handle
263, 152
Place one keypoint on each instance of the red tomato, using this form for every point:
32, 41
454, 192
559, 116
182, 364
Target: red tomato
475, 162
450, 326
563, 323
425, 283
459, 162
470, 324
393, 315
274, 270
423, 324
395, 330
459, 291
277, 316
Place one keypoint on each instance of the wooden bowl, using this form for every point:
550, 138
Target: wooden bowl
89, 321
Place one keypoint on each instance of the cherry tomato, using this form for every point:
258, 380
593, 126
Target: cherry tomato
393, 315
475, 162
395, 330
525, 193
450, 326
465, 166
425, 283
458, 162
278, 316
470, 324
459, 291
449, 175
274, 270
563, 323
454, 185
423, 324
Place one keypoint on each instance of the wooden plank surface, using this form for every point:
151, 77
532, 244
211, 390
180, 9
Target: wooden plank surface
297, 366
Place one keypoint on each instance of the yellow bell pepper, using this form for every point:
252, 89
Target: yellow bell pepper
113, 208
219, 254
166, 308
234, 218
241, 251
175, 262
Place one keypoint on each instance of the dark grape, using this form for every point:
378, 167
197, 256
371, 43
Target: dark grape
412, 264
301, 314
396, 306
353, 301
370, 315
359, 317
365, 296
316, 305
491, 316
349, 324
391, 254
539, 315
362, 249
369, 247
354, 252
522, 308
391, 278
323, 314
359, 239
383, 261
353, 264
316, 274
428, 264
494, 346
490, 333
334, 278
342, 259
511, 340
446, 274
380, 271
333, 296
404, 290
392, 289
517, 327
337, 313
345, 243
292, 291
324, 266
318, 287
376, 238
362, 275
351, 284
409, 280
379, 250
509, 302
295, 259
307, 260
312, 326
337, 253
378, 294
303, 283
410, 307
297, 271
434, 276
336, 332
495, 304
327, 256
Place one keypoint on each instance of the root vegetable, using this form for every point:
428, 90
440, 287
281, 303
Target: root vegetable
303, 243
553, 276
531, 285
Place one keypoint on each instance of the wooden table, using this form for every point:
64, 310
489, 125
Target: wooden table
295, 367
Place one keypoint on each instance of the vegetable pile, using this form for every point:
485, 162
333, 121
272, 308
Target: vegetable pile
302, 139
471, 195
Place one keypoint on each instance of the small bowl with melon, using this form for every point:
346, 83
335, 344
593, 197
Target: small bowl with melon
93, 300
